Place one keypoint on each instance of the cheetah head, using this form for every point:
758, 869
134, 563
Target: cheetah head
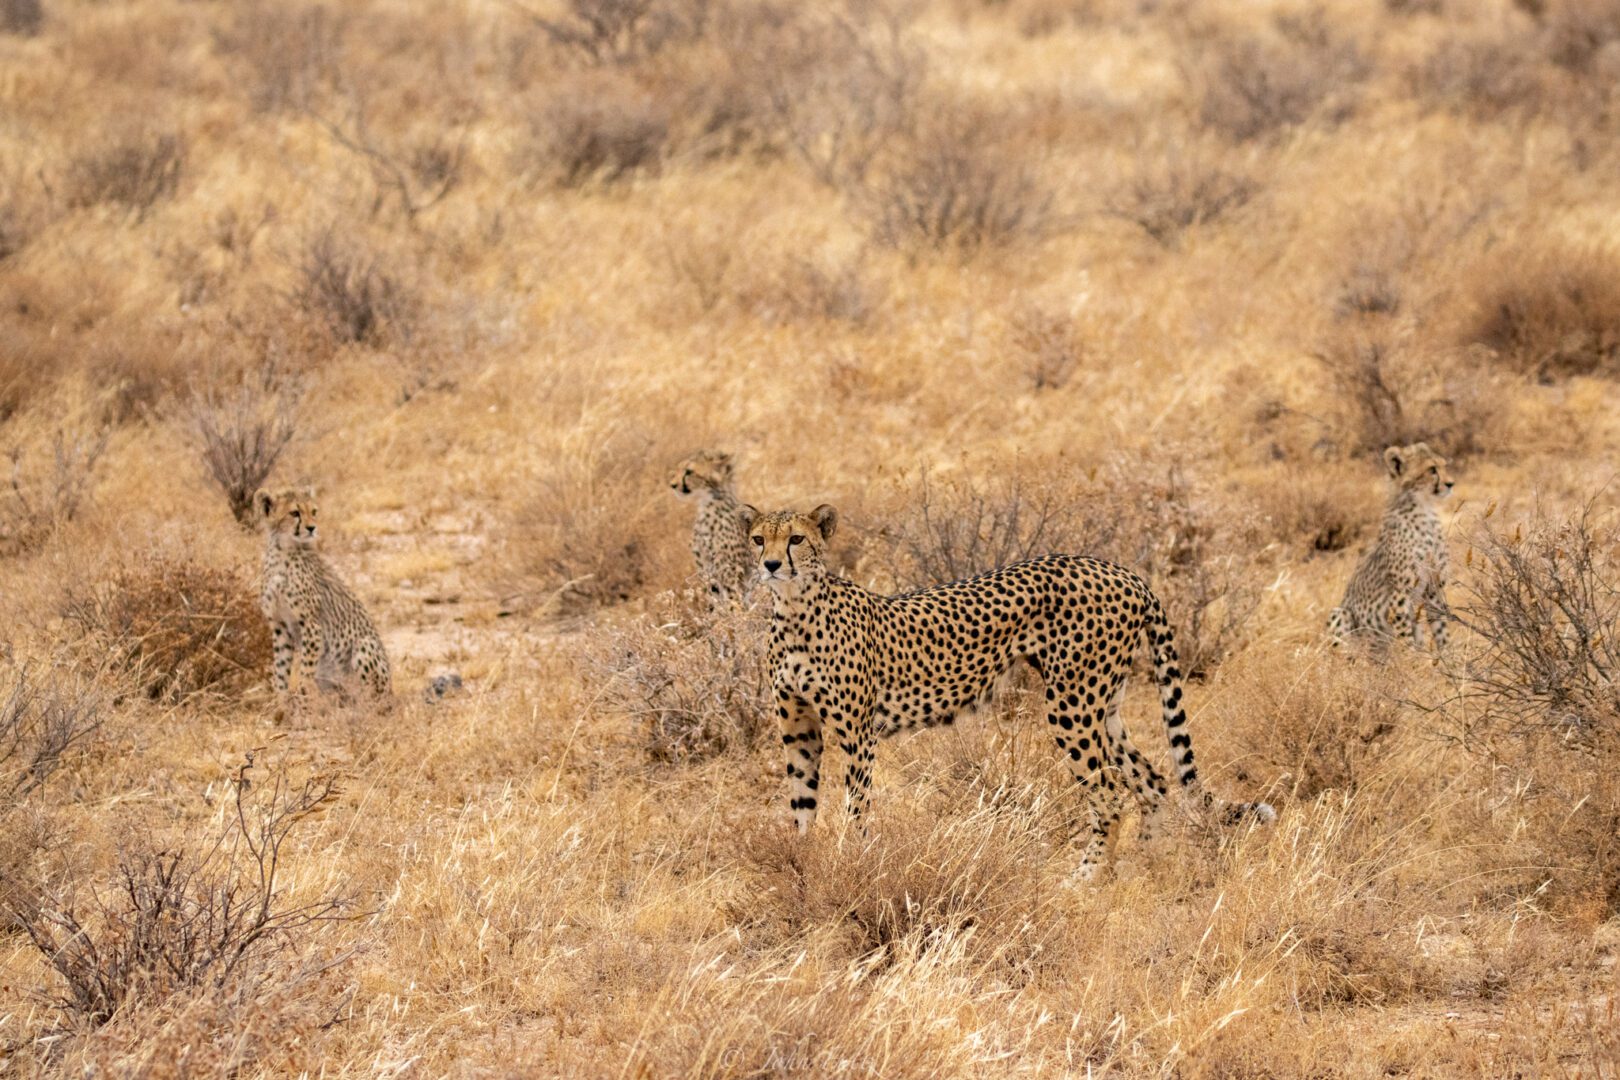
288, 515
1419, 469
706, 470
789, 547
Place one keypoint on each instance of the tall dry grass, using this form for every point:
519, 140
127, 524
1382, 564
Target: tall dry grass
1164, 303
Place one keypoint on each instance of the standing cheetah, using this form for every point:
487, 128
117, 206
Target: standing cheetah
1401, 582
311, 612
872, 665
719, 541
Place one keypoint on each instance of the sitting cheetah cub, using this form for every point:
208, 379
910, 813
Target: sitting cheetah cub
719, 541
1401, 583
311, 612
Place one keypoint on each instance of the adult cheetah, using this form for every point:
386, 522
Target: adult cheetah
719, 541
1400, 584
870, 666
311, 612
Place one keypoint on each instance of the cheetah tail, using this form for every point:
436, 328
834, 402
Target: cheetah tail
1167, 672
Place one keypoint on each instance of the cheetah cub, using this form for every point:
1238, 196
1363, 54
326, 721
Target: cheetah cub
1401, 583
855, 667
719, 541
311, 612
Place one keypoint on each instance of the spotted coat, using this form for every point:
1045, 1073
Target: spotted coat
311, 613
1400, 584
719, 542
856, 667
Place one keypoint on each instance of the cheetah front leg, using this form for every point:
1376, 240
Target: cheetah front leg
801, 745
311, 645
283, 645
1437, 614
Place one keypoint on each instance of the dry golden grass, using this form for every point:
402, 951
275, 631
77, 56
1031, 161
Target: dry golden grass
1154, 281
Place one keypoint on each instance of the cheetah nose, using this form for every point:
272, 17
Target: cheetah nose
773, 565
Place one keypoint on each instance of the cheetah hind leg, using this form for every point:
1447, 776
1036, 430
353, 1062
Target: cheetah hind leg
1131, 769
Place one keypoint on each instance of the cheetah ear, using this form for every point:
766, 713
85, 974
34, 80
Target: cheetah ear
826, 519
1393, 460
747, 515
263, 502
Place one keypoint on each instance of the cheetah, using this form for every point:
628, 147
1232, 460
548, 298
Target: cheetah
1400, 583
871, 666
311, 612
719, 541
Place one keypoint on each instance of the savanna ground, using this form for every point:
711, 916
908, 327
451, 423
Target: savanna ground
1156, 281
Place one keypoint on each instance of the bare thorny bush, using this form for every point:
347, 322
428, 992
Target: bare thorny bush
1544, 608
41, 723
1396, 390
1250, 88
957, 185
695, 682
211, 916
241, 432
134, 171
1536, 689
1173, 192
42, 499
343, 289
1151, 524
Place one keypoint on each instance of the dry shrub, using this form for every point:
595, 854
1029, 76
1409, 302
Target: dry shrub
21, 17
582, 538
1551, 312
1251, 88
1311, 722
284, 55
819, 287
343, 289
180, 628
1319, 510
1483, 77
1544, 607
135, 171
1575, 34
841, 81
241, 433
1537, 692
961, 185
41, 722
599, 129
1053, 346
924, 1012
1564, 66
1172, 193
918, 876
44, 497
621, 31
178, 918
695, 685
1198, 557
1393, 390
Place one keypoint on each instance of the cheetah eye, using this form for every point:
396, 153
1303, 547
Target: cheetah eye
297, 514
759, 541
795, 540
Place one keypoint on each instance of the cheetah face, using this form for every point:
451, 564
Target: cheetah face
1419, 469
789, 547
288, 515
705, 470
